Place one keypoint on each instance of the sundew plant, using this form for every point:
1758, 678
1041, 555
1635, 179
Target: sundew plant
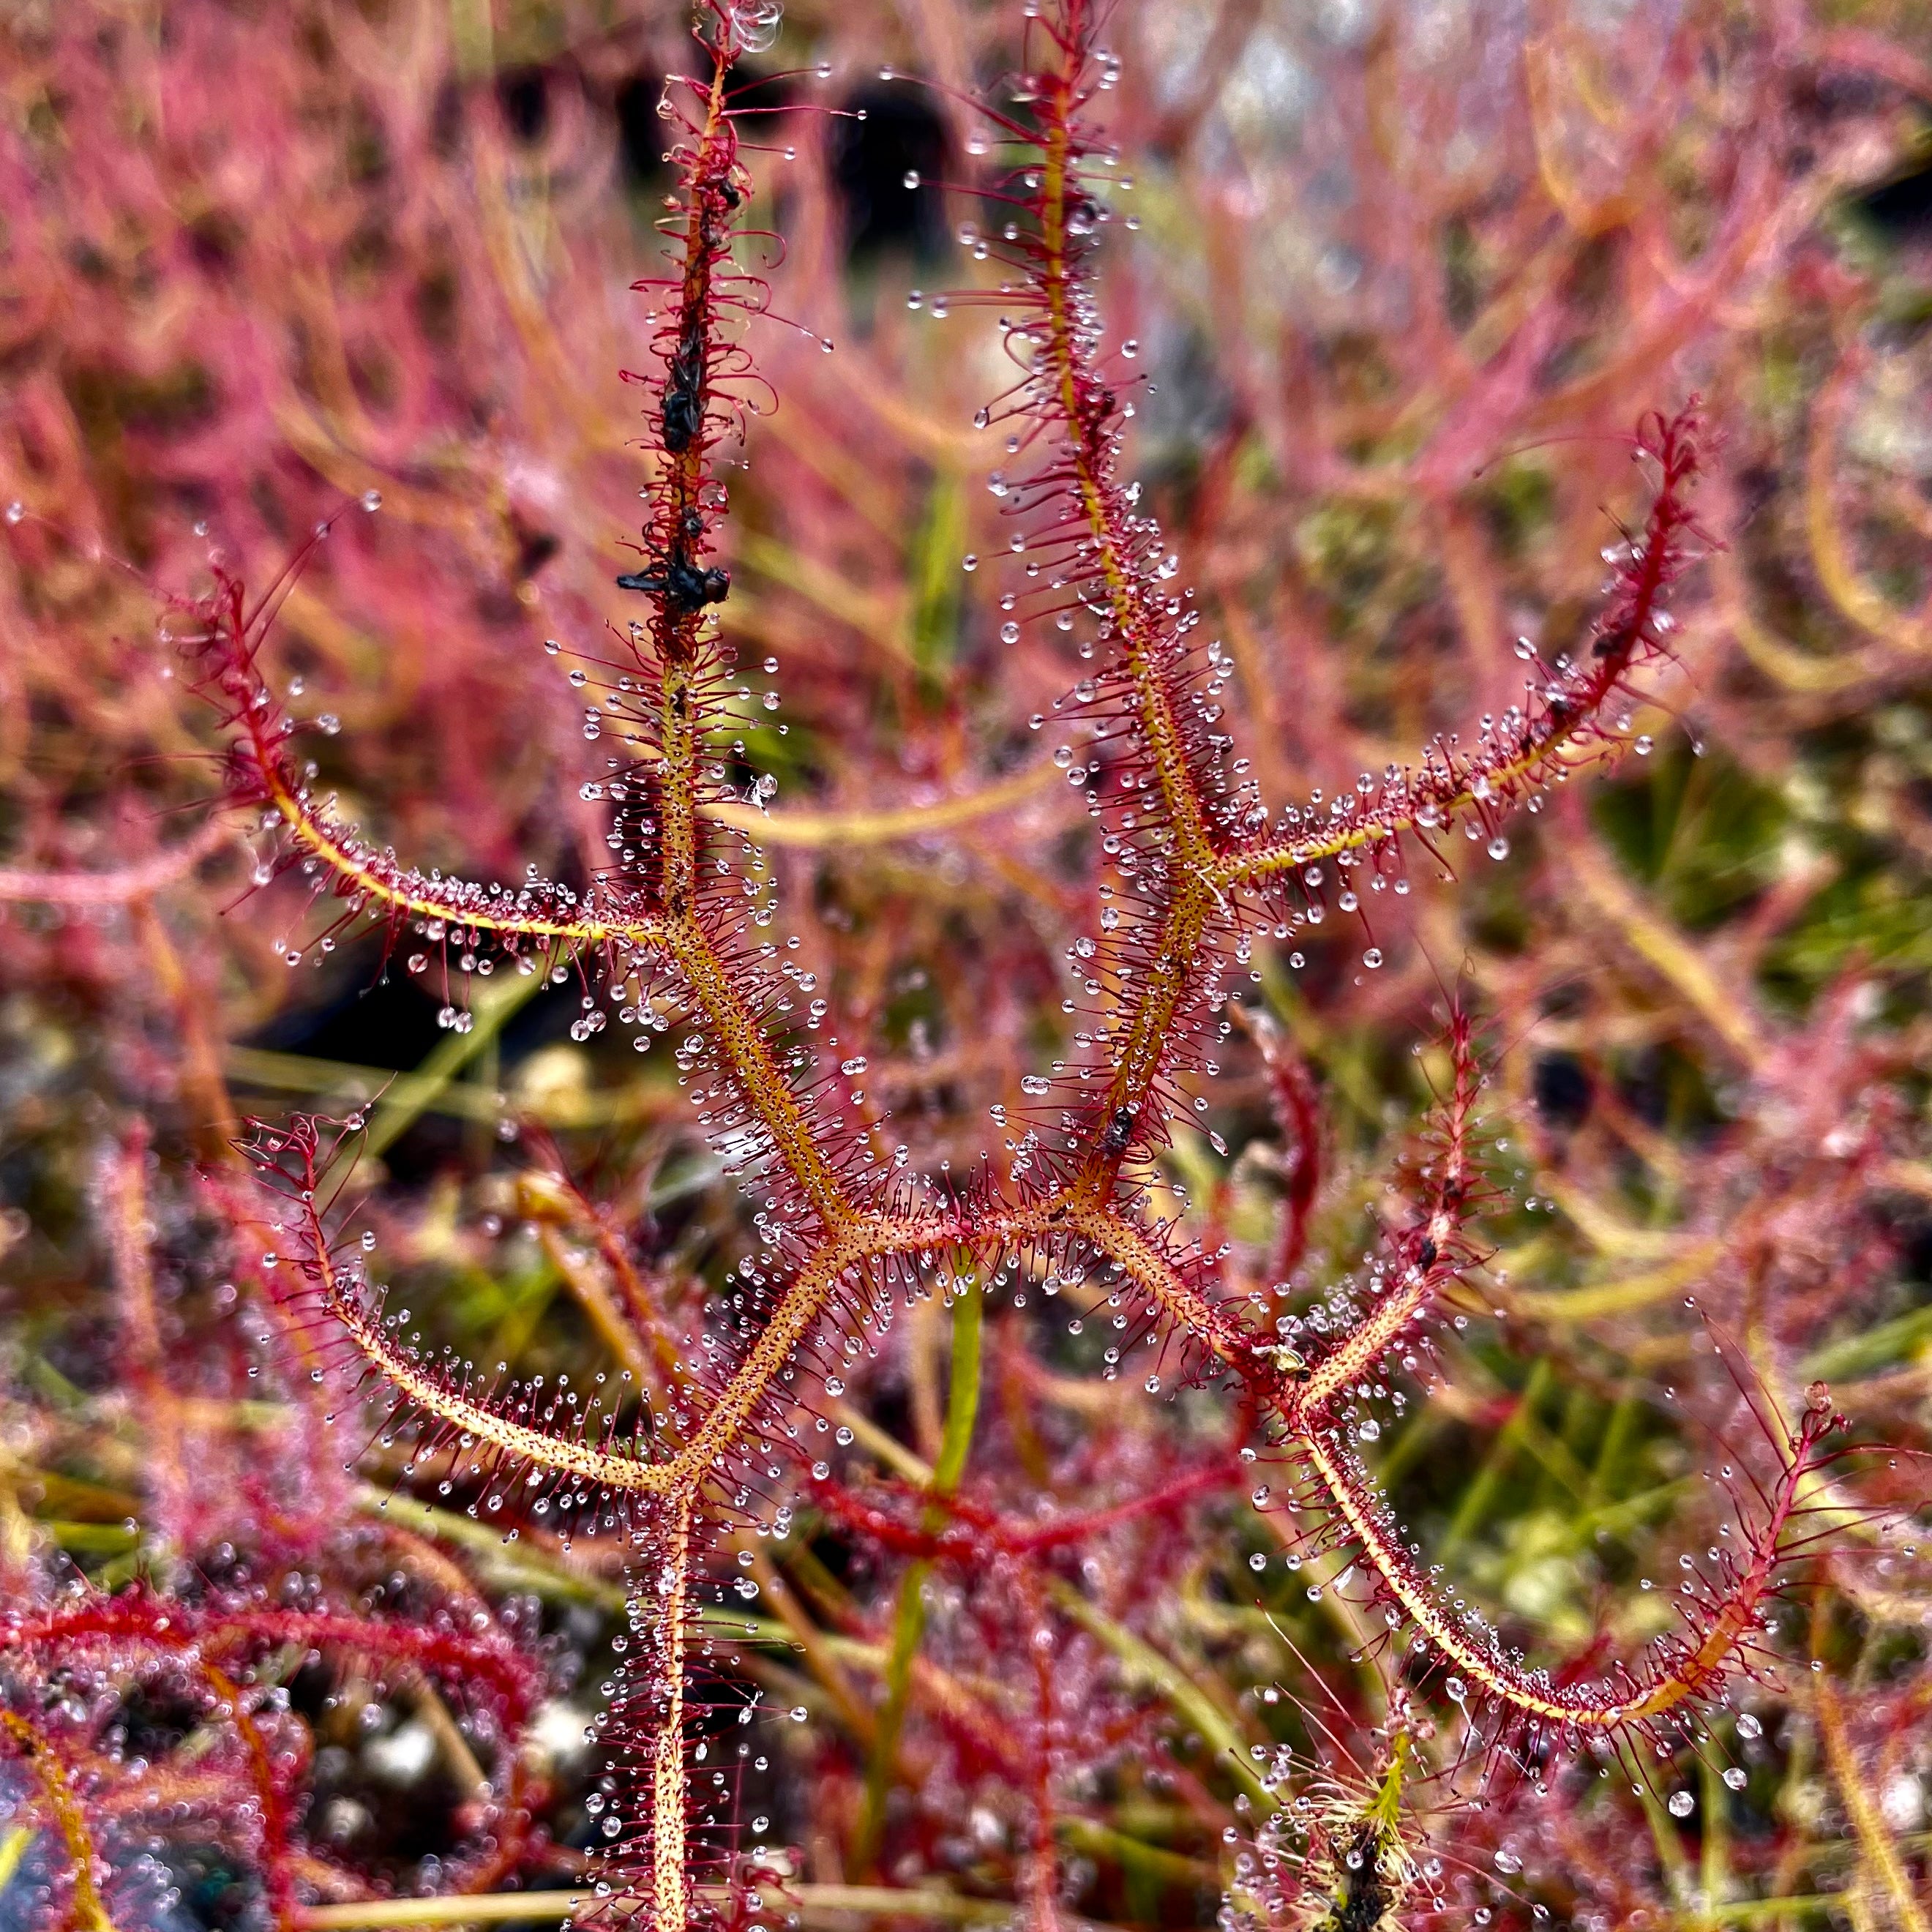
1134, 1135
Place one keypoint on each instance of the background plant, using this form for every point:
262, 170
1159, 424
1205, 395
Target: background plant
1705, 976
